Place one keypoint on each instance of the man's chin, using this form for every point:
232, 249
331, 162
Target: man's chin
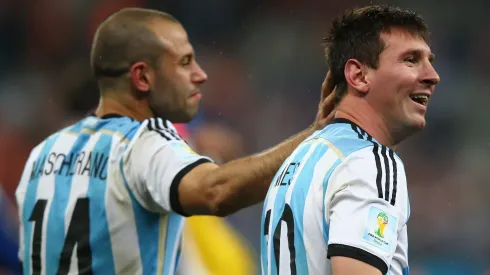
419, 123
410, 128
183, 117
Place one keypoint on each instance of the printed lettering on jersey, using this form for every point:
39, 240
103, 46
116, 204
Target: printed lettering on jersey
287, 174
380, 229
89, 163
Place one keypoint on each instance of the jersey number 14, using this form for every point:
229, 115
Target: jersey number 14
78, 234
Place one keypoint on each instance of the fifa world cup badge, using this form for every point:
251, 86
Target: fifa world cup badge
380, 229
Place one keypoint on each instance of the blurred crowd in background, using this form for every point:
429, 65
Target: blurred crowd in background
265, 63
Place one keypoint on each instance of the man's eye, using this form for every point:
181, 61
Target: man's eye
186, 61
411, 60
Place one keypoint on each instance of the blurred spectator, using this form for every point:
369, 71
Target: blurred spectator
9, 262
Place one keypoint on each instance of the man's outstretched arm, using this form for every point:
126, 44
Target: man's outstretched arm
221, 190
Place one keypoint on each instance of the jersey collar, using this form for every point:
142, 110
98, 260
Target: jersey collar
347, 121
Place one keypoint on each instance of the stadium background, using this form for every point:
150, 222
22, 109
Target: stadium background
265, 65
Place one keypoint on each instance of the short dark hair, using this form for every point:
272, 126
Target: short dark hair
123, 39
357, 35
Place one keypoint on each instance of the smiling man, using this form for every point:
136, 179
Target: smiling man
339, 203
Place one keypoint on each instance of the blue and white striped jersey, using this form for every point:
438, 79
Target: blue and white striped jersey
340, 193
100, 197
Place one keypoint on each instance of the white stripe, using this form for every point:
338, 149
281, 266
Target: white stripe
165, 134
142, 128
315, 245
270, 206
284, 255
162, 239
166, 131
271, 198
120, 217
284, 259
383, 170
171, 126
46, 186
157, 126
79, 188
153, 124
383, 167
171, 129
160, 124
390, 167
20, 195
176, 247
299, 170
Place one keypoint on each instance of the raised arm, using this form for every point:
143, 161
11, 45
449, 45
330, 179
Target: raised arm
210, 189
165, 175
222, 190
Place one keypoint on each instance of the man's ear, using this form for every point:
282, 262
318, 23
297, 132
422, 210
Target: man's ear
141, 76
355, 75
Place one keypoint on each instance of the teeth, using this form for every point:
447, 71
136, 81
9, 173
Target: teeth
424, 97
420, 98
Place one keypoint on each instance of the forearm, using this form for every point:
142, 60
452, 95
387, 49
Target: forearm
244, 182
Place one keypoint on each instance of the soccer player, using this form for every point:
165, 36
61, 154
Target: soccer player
107, 195
339, 203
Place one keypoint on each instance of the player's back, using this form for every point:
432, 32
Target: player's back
78, 215
310, 212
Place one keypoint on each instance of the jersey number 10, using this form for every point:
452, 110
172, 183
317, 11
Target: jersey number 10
78, 234
287, 216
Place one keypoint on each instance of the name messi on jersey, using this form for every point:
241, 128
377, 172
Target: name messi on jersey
287, 174
93, 164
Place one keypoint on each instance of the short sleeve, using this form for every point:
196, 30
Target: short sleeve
154, 167
399, 264
364, 220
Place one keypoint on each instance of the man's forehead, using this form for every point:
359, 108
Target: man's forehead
172, 36
400, 40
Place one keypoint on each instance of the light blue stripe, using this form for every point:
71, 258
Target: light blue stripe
56, 217
263, 242
279, 205
297, 204
124, 125
326, 226
100, 239
30, 201
406, 270
147, 225
172, 240
344, 138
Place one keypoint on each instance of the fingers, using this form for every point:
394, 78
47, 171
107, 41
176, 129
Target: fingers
329, 103
327, 85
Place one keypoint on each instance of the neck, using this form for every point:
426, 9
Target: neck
361, 113
123, 104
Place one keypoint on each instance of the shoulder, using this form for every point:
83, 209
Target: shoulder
159, 130
345, 137
159, 136
371, 162
372, 174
